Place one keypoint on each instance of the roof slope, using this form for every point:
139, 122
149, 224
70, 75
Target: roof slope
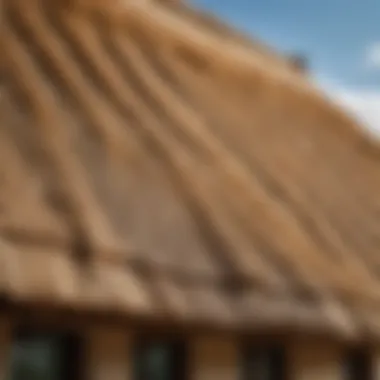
155, 169
212, 25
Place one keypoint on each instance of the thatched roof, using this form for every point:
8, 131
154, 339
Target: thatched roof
151, 167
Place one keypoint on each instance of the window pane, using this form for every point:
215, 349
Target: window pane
157, 360
263, 364
357, 365
42, 357
258, 366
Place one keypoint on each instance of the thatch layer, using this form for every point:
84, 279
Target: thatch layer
156, 169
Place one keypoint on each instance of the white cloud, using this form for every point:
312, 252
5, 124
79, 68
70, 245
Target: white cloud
372, 57
365, 105
362, 103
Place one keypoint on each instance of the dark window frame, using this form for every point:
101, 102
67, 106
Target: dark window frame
178, 345
70, 342
274, 353
358, 364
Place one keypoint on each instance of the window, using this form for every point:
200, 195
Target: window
157, 359
358, 365
44, 357
263, 363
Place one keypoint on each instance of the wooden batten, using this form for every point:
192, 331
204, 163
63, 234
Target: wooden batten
214, 358
108, 354
315, 361
5, 340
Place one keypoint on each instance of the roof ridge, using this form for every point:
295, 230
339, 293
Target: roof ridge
236, 55
210, 22
237, 58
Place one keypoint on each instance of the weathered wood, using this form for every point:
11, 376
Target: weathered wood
315, 361
108, 354
214, 358
376, 364
5, 345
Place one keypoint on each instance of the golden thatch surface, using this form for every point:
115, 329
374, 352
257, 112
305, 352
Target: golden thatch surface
151, 167
210, 24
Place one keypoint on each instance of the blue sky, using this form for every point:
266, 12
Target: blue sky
341, 38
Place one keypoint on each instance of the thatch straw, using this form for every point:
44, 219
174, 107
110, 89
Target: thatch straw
154, 169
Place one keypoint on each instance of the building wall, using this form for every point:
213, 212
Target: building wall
108, 350
108, 357
214, 358
315, 361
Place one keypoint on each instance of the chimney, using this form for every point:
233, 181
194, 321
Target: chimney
299, 62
